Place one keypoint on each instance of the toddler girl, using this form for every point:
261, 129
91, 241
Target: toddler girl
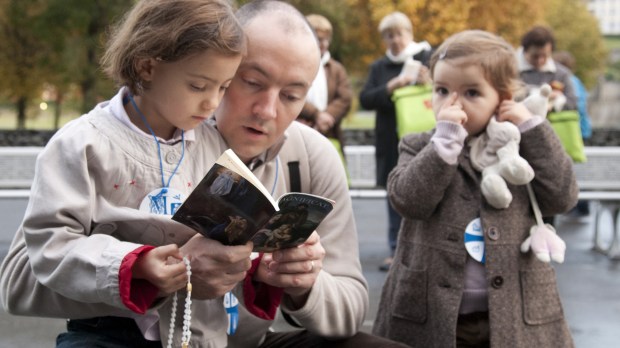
439, 294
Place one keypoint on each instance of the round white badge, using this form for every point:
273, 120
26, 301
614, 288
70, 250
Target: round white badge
474, 240
163, 203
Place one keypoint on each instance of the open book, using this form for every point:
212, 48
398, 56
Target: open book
232, 206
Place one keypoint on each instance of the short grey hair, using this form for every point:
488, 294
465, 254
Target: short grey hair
395, 20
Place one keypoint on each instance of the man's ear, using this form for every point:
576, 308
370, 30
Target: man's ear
145, 69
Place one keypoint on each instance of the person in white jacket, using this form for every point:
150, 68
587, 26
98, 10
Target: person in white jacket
93, 176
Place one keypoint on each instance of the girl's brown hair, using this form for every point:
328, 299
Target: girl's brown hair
491, 53
170, 30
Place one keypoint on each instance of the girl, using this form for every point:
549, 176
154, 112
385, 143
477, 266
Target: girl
91, 226
437, 294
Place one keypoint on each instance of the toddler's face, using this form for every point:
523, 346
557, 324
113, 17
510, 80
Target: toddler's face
476, 97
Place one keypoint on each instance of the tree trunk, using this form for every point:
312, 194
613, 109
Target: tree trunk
21, 104
57, 110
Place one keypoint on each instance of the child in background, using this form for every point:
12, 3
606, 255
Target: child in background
91, 226
437, 294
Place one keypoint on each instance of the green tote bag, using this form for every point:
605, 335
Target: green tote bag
414, 111
566, 126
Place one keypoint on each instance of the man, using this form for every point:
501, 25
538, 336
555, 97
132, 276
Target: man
320, 285
537, 67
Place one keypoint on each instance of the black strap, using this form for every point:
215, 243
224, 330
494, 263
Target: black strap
294, 176
289, 319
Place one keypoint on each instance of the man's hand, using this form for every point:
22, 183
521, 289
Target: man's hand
216, 268
295, 269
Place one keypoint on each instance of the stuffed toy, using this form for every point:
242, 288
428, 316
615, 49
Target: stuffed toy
495, 153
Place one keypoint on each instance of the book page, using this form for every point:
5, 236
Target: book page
226, 207
299, 215
229, 159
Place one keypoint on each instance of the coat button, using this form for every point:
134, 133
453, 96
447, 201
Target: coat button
493, 233
498, 282
172, 157
106, 228
453, 237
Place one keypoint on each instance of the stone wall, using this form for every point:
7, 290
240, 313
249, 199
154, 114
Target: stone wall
600, 137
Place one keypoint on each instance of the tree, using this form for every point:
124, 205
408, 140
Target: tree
21, 51
576, 30
435, 20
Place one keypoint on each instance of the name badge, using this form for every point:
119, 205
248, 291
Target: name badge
231, 304
474, 240
162, 201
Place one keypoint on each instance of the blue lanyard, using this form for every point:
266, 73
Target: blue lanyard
161, 164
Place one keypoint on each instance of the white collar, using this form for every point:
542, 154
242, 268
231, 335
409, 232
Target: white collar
411, 50
524, 65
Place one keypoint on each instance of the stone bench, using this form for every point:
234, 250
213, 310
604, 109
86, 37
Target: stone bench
598, 179
599, 182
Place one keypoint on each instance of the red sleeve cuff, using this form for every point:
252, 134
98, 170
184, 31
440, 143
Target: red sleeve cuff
260, 299
136, 294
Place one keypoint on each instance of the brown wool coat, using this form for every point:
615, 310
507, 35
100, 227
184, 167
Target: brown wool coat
420, 299
339, 98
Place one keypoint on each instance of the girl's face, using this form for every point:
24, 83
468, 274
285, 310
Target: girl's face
397, 39
184, 93
478, 98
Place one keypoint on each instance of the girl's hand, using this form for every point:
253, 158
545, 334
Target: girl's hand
451, 110
162, 267
510, 110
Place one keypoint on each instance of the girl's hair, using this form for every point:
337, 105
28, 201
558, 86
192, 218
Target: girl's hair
491, 53
170, 30
395, 20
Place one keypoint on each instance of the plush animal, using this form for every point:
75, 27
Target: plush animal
495, 153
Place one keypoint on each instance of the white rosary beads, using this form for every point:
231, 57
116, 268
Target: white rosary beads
187, 312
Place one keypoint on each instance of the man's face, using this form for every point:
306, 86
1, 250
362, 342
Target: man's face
537, 56
269, 88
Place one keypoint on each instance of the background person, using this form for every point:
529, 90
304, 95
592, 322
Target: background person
329, 98
383, 78
537, 67
567, 59
439, 293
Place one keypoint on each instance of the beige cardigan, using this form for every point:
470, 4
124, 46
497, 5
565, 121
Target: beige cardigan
65, 257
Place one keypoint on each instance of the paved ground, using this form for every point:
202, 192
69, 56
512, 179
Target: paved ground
589, 282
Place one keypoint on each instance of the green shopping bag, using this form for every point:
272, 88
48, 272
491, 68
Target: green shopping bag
566, 126
414, 111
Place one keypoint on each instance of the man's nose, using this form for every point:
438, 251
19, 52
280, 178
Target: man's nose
266, 105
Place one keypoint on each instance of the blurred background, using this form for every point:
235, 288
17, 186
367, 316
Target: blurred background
50, 49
